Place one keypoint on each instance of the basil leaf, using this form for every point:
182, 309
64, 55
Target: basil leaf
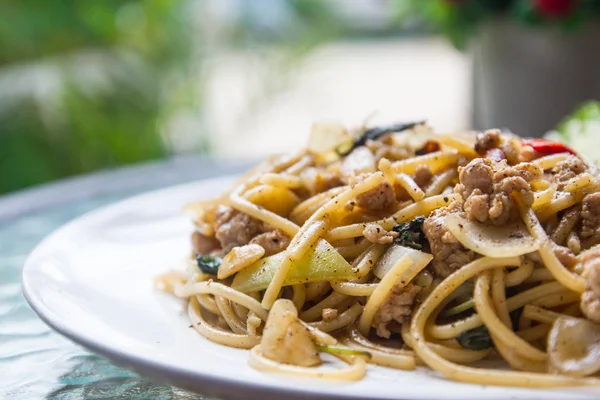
410, 234
476, 339
208, 264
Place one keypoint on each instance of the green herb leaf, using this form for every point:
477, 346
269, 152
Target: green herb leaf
411, 233
515, 315
208, 264
376, 133
345, 351
476, 339
458, 308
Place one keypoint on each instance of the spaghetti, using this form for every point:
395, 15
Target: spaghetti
466, 247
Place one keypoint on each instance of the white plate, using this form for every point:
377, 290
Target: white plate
92, 281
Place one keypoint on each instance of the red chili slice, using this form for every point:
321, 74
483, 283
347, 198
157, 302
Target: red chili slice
545, 147
429, 147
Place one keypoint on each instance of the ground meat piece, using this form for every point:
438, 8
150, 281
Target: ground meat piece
381, 197
396, 307
477, 205
223, 214
374, 233
590, 216
234, 228
448, 253
529, 154
202, 244
477, 175
329, 314
495, 155
565, 256
525, 170
487, 140
273, 242
485, 187
505, 145
567, 169
423, 175
590, 299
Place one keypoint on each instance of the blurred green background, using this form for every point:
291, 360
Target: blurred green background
91, 85
88, 85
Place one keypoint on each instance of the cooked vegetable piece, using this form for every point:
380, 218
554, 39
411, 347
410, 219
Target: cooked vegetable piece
395, 254
285, 339
574, 346
430, 146
323, 263
491, 240
277, 199
344, 351
239, 258
469, 303
545, 146
376, 133
459, 308
326, 137
515, 315
208, 264
410, 233
476, 339
358, 162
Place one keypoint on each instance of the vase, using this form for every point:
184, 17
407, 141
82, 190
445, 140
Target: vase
526, 79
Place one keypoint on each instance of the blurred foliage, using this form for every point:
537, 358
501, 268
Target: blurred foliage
312, 22
86, 85
82, 84
459, 19
589, 111
580, 130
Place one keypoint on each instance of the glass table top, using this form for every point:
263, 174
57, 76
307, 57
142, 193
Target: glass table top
35, 362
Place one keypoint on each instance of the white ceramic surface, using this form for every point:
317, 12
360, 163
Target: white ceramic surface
92, 281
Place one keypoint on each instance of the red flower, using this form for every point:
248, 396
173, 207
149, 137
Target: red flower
555, 8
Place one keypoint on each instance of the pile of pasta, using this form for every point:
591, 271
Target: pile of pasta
346, 267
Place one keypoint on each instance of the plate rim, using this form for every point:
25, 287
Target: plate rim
213, 384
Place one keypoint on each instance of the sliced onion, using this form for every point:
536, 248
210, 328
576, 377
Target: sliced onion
361, 160
285, 339
490, 240
325, 137
574, 346
394, 254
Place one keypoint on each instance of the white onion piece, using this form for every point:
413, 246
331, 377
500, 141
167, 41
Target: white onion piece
574, 346
325, 137
394, 254
360, 161
490, 240
285, 339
